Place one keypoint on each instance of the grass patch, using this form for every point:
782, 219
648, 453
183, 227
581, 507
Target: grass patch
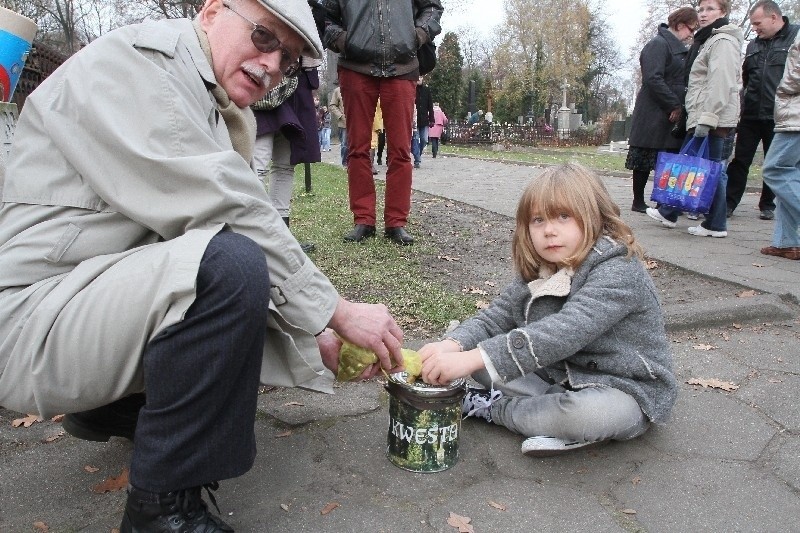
377, 271
587, 156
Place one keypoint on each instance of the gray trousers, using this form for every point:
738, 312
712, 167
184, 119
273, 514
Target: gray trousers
271, 158
533, 407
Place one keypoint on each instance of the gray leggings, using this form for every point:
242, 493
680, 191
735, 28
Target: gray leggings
271, 160
533, 407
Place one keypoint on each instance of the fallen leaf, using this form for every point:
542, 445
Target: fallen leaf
481, 304
290, 404
449, 258
41, 527
746, 294
27, 422
704, 347
54, 437
651, 265
635, 481
737, 326
774, 380
714, 384
474, 290
284, 434
91, 469
57, 419
460, 522
498, 506
629, 511
112, 484
328, 508
285, 507
780, 359
490, 283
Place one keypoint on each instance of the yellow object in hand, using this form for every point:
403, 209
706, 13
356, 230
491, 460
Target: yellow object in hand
353, 360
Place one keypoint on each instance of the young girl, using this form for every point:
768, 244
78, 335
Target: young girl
573, 352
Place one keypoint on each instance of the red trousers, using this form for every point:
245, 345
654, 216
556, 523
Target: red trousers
360, 94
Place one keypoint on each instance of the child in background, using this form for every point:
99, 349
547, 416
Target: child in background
573, 352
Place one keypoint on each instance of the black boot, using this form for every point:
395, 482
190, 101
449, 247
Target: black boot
639, 183
307, 247
182, 511
117, 419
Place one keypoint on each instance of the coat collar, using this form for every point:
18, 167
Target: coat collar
558, 284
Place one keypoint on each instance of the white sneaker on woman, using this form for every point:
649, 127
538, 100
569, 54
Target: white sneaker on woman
655, 215
700, 231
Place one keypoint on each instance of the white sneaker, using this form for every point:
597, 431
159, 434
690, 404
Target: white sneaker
655, 215
478, 402
547, 446
700, 231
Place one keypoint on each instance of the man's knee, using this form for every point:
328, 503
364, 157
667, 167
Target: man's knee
234, 263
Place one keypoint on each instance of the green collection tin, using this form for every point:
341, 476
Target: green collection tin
424, 424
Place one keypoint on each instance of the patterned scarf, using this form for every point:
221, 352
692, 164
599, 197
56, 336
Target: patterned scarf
240, 121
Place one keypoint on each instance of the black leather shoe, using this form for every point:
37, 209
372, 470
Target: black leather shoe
182, 511
639, 207
399, 235
359, 233
117, 419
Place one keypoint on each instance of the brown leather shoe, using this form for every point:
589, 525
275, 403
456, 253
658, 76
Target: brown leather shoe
793, 252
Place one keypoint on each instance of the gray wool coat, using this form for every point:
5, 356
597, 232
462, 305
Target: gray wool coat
663, 89
602, 328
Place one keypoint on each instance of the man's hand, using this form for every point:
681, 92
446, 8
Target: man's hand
701, 130
329, 348
372, 327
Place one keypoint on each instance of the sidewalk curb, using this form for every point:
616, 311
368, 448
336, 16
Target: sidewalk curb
726, 311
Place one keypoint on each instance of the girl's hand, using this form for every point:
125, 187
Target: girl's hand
432, 348
440, 368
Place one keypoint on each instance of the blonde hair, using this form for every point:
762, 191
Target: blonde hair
573, 189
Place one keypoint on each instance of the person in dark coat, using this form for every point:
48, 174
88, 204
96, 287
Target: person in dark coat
287, 136
659, 103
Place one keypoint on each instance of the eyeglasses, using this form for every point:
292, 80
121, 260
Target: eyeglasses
265, 41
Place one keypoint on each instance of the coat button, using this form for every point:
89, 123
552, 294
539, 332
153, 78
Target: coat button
518, 343
592, 365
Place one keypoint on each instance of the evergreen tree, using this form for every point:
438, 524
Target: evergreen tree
445, 81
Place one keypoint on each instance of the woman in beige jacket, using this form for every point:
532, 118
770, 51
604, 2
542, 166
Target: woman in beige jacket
712, 103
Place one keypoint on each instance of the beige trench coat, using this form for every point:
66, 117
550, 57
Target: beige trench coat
715, 79
121, 172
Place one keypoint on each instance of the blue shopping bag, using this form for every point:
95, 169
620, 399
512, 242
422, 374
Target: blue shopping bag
686, 180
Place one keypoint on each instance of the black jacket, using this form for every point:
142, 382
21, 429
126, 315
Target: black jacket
762, 71
380, 37
424, 104
663, 89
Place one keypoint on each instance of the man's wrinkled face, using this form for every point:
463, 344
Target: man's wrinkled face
240, 68
765, 26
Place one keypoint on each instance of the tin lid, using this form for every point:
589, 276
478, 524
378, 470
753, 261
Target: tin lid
421, 388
